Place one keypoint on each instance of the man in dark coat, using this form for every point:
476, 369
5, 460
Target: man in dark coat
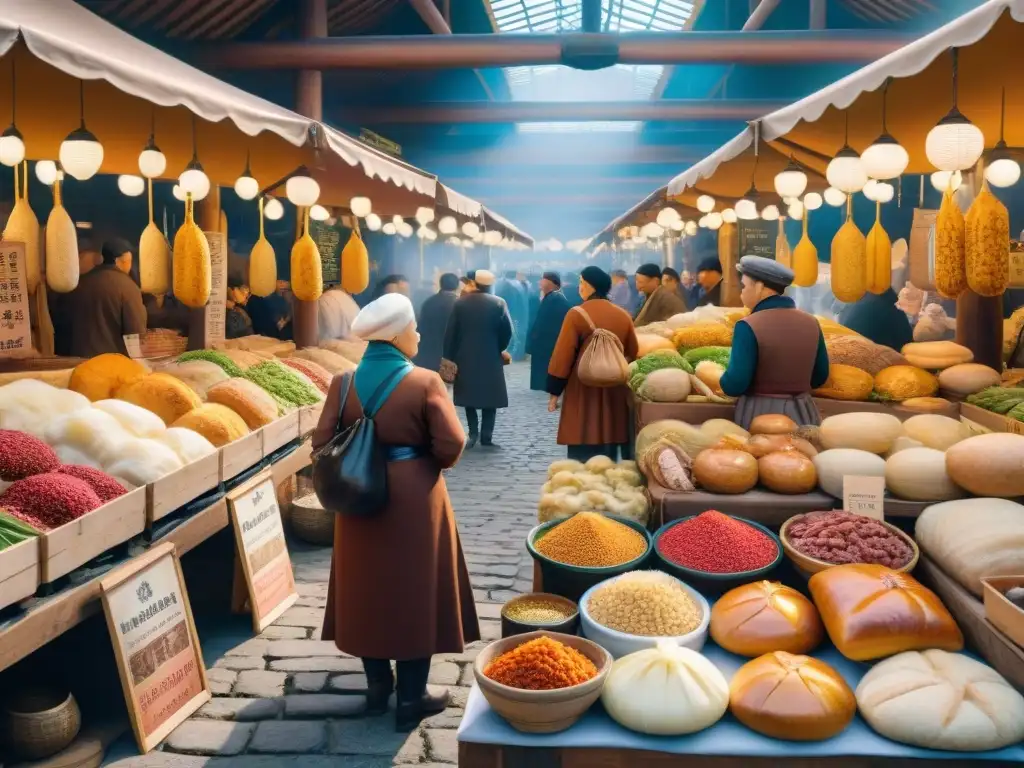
511, 290
709, 278
545, 329
433, 321
479, 331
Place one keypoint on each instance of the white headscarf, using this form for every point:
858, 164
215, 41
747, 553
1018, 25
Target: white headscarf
384, 318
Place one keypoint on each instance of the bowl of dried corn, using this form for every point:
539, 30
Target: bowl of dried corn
539, 610
580, 551
631, 612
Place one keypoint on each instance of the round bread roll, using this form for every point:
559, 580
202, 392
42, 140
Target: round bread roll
785, 696
789, 472
773, 424
724, 471
941, 700
765, 616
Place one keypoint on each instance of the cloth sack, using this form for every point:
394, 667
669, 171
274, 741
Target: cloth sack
602, 363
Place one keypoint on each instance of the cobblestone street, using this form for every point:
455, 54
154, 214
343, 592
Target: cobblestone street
287, 698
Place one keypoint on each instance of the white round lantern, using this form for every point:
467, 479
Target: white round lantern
389, 228
770, 213
729, 216
691, 228
302, 189
492, 237
884, 192
667, 216
448, 225
81, 154
470, 229
319, 213
246, 187
424, 215
1002, 169
194, 180
795, 210
12, 147
431, 235
178, 192
869, 189
746, 210
468, 244
273, 209
705, 203
360, 207
373, 222
955, 144
812, 201
885, 158
152, 162
941, 180
678, 225
714, 220
791, 182
132, 186
835, 197
421, 232
702, 222
46, 171
404, 229
845, 171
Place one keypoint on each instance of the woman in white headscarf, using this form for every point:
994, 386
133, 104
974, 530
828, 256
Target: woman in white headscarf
399, 588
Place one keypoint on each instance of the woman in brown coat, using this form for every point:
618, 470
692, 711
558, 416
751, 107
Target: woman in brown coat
595, 420
399, 587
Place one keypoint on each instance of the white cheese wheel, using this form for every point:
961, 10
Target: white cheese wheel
934, 431
940, 700
919, 474
832, 466
863, 431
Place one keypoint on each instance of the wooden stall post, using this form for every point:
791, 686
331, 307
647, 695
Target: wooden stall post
207, 213
979, 319
728, 257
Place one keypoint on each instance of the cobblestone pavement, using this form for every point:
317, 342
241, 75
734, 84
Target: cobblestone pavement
287, 699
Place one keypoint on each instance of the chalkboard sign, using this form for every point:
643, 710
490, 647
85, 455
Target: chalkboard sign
757, 238
329, 241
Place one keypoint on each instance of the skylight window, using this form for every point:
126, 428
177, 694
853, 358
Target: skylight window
622, 82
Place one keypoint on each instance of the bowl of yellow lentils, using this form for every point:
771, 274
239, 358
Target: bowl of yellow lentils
631, 612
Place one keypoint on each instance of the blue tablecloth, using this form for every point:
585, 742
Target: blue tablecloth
481, 725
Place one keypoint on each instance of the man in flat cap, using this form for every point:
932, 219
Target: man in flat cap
659, 303
778, 351
709, 282
478, 333
545, 329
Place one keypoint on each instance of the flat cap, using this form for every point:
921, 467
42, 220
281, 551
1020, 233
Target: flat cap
765, 270
554, 277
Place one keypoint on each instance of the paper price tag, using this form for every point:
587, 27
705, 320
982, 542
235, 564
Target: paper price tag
864, 495
133, 344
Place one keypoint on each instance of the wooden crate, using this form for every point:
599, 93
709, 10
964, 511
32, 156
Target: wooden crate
980, 420
76, 543
238, 456
295, 461
180, 487
19, 572
309, 417
280, 432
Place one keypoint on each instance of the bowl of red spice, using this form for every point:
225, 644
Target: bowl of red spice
715, 551
816, 541
542, 682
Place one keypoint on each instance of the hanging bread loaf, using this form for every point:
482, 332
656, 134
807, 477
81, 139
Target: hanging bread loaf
262, 264
307, 275
988, 245
192, 268
154, 255
950, 233
355, 264
805, 259
879, 256
849, 262
61, 247
23, 227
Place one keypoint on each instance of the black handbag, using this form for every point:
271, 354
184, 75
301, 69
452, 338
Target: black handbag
350, 471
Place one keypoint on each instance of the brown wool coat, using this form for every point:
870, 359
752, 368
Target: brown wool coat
592, 415
660, 306
399, 586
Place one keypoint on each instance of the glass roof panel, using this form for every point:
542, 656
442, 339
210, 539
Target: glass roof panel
622, 82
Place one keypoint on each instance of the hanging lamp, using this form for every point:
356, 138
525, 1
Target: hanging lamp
360, 207
246, 187
705, 203
845, 171
373, 222
791, 181
1002, 170
81, 153
152, 162
193, 179
273, 209
886, 158
955, 143
12, 145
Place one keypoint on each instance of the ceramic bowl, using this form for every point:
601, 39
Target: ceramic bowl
621, 644
566, 626
542, 711
808, 566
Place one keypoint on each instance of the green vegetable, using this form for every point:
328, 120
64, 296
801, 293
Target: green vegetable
213, 356
662, 358
282, 384
14, 531
1003, 400
718, 355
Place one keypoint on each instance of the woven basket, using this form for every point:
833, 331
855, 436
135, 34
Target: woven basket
311, 522
38, 724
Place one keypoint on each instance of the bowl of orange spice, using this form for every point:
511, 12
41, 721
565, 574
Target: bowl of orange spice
542, 682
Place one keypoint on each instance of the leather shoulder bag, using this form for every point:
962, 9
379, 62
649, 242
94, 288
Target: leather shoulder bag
350, 471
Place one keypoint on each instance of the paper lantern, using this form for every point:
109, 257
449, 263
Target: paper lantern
319, 213
12, 146
447, 225
714, 220
152, 162
885, 158
955, 143
667, 216
194, 181
424, 215
360, 206
835, 197
373, 222
273, 209
943, 180
132, 186
845, 171
812, 201
46, 171
302, 189
705, 203
791, 182
770, 213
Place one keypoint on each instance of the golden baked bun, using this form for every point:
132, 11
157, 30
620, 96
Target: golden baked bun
786, 696
871, 611
765, 616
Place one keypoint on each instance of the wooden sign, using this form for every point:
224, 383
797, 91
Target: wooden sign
757, 238
921, 258
155, 644
864, 495
216, 308
1016, 264
330, 240
262, 551
15, 325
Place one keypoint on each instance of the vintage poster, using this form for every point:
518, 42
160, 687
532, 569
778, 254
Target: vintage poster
259, 535
155, 643
216, 308
15, 324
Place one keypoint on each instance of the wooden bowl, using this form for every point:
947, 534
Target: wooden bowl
568, 626
41, 723
542, 711
808, 566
